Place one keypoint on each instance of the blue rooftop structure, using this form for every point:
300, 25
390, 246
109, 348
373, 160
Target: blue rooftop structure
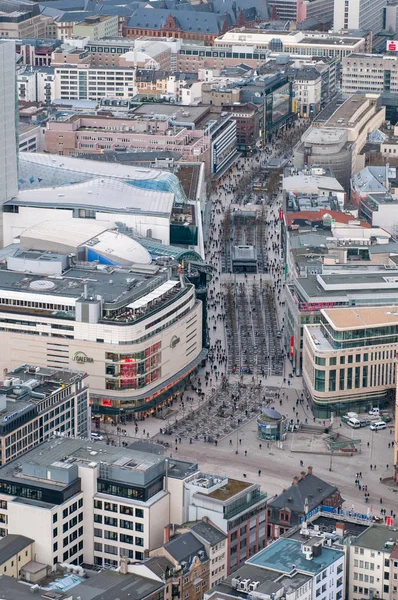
286, 555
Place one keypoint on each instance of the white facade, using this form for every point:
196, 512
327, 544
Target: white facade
31, 138
8, 138
82, 82
90, 526
36, 84
369, 73
359, 14
308, 93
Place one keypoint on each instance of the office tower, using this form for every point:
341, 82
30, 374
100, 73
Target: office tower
8, 116
366, 15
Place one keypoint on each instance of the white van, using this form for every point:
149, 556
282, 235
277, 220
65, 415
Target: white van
374, 412
378, 425
354, 423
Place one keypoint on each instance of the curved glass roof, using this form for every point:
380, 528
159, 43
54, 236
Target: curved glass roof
37, 170
178, 254
165, 182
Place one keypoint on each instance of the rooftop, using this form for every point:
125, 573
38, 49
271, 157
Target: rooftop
10, 545
37, 170
208, 532
270, 581
360, 318
308, 489
285, 555
62, 455
377, 537
233, 487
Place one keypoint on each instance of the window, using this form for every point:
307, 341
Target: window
55, 517
97, 518
110, 506
139, 513
139, 541
110, 521
98, 504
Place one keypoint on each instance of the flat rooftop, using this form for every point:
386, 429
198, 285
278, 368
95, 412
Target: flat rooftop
126, 284
377, 537
181, 114
348, 285
345, 113
285, 555
65, 452
360, 318
233, 487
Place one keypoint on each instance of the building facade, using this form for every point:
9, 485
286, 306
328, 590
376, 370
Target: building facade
37, 404
349, 358
365, 15
82, 82
369, 73
8, 120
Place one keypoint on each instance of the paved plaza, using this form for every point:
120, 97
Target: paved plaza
214, 422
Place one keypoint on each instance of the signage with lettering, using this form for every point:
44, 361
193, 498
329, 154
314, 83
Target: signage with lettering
81, 358
313, 306
392, 46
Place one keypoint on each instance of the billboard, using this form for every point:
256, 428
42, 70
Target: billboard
392, 46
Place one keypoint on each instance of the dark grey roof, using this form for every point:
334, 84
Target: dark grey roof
10, 545
208, 532
311, 487
12, 589
159, 565
114, 586
185, 547
187, 20
74, 16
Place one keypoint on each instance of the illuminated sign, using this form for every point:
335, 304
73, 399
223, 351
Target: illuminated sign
106, 402
174, 341
313, 306
292, 345
392, 45
81, 358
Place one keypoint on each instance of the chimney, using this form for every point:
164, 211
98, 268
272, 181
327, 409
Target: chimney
167, 534
295, 481
340, 529
206, 519
309, 469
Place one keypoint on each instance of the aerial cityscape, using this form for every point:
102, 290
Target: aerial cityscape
198, 299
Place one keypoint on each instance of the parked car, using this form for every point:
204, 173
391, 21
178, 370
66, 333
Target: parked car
96, 437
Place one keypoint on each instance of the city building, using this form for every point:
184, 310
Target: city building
195, 133
354, 285
364, 15
236, 507
369, 73
93, 134
31, 137
307, 43
247, 118
20, 19
374, 192
87, 584
36, 84
307, 494
188, 556
349, 358
308, 92
306, 568
370, 563
180, 24
87, 502
311, 182
16, 551
82, 82
97, 27
161, 211
338, 134
299, 10
8, 120
38, 403
215, 542
82, 320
